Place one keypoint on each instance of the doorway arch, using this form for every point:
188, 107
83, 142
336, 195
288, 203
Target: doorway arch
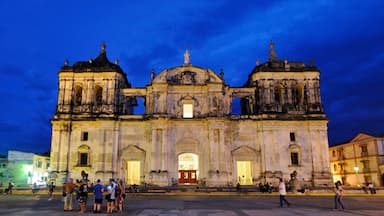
132, 161
188, 166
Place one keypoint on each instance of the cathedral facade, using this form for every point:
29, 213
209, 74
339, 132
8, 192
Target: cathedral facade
188, 133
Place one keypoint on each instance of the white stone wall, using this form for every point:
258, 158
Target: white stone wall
218, 143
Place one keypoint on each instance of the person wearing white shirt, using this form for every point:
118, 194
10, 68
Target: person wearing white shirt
282, 193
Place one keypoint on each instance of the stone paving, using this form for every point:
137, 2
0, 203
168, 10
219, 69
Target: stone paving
202, 205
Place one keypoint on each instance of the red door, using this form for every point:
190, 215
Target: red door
187, 177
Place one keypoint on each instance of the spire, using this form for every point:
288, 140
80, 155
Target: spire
103, 46
272, 53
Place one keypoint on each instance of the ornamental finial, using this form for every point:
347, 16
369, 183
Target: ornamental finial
103, 46
272, 53
187, 60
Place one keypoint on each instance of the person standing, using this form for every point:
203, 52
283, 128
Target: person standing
339, 194
34, 191
120, 194
10, 187
83, 195
68, 189
98, 193
283, 193
51, 187
111, 196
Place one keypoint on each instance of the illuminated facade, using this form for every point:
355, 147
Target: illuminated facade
189, 132
359, 161
24, 169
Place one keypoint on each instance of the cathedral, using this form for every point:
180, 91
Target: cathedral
189, 132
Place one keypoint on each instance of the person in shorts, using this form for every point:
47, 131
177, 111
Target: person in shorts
111, 196
98, 193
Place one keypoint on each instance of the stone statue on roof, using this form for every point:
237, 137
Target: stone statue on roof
187, 58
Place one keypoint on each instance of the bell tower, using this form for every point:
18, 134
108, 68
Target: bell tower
92, 88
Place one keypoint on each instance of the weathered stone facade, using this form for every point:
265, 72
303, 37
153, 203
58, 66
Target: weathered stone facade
188, 132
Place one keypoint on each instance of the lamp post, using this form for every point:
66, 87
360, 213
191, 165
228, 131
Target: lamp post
356, 171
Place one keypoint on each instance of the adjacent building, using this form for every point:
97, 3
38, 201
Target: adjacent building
189, 132
359, 161
24, 169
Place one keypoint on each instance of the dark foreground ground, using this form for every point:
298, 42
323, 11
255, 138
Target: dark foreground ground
202, 205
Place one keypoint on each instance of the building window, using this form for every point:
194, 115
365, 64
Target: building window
38, 164
47, 167
279, 94
295, 154
188, 110
84, 153
84, 136
365, 164
364, 150
292, 137
333, 153
78, 95
83, 159
299, 94
98, 96
294, 158
335, 167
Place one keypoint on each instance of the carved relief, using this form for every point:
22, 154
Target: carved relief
184, 78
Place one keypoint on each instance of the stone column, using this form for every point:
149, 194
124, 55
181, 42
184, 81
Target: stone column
115, 149
68, 94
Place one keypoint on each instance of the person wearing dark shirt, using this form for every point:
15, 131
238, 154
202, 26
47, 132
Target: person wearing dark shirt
98, 193
83, 195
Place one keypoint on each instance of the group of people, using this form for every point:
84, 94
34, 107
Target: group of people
266, 188
9, 189
370, 187
113, 192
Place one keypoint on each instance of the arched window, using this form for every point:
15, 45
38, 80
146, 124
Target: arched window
295, 154
279, 94
78, 95
299, 94
83, 154
98, 95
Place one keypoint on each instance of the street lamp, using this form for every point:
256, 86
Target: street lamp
356, 171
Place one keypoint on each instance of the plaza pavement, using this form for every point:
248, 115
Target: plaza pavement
202, 204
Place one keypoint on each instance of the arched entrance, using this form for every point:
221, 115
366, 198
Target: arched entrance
188, 164
132, 159
246, 165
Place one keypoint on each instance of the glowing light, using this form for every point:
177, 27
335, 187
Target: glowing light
28, 169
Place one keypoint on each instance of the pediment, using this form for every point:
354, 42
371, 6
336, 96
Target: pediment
187, 75
361, 136
244, 150
132, 149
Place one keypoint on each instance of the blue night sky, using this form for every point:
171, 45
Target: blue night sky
344, 38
